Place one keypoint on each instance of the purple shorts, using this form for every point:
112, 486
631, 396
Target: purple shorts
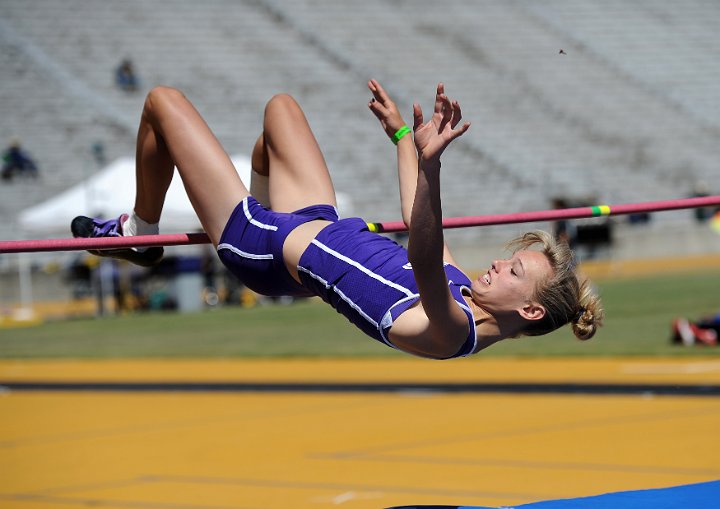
251, 245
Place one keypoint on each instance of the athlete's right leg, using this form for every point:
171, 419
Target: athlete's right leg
289, 155
172, 133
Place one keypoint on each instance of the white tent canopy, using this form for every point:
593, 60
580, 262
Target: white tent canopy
111, 192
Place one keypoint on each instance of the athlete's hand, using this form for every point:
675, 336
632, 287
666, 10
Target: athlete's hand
433, 137
384, 109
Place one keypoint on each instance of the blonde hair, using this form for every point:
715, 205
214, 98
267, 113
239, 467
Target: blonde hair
566, 297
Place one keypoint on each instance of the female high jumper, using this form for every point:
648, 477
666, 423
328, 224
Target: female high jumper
284, 236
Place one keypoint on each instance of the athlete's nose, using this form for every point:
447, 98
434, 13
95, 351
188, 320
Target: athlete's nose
499, 265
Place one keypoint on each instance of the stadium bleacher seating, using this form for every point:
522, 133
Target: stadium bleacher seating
630, 111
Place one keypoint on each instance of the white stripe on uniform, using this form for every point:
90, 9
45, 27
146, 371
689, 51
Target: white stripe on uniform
361, 268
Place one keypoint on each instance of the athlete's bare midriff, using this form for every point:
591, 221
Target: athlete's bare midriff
297, 242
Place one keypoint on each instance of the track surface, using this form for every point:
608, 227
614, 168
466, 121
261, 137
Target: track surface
168, 450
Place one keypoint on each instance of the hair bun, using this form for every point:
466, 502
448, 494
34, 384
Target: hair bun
588, 319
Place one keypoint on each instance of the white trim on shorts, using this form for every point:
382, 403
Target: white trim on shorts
255, 223
238, 252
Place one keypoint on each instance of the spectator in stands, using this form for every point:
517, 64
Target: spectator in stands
98, 152
702, 332
283, 237
125, 77
17, 162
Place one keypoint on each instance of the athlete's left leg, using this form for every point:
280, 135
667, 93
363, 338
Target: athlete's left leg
288, 153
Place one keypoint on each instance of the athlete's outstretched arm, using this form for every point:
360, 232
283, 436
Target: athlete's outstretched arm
407, 162
391, 121
448, 324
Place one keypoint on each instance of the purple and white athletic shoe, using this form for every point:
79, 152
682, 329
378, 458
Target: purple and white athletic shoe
89, 227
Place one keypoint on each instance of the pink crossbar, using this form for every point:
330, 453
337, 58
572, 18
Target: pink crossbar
182, 239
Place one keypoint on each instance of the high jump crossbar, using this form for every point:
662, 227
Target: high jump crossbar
183, 239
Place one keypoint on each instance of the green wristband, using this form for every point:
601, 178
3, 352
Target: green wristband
400, 133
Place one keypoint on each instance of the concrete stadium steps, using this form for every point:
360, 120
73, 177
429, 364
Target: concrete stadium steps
599, 121
537, 111
672, 51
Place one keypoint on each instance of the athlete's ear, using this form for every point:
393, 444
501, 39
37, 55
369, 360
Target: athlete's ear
532, 311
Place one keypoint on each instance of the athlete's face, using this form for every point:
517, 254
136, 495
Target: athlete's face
508, 286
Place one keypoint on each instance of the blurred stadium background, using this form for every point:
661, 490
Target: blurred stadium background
588, 101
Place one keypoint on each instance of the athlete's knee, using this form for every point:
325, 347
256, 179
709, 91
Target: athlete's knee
162, 96
282, 101
282, 105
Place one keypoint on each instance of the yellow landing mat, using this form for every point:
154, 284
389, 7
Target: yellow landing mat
185, 450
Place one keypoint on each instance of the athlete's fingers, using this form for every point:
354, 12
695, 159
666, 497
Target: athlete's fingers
447, 113
379, 93
417, 117
457, 114
460, 131
438, 97
380, 111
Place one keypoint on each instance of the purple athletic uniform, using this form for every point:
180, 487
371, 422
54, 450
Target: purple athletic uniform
365, 276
